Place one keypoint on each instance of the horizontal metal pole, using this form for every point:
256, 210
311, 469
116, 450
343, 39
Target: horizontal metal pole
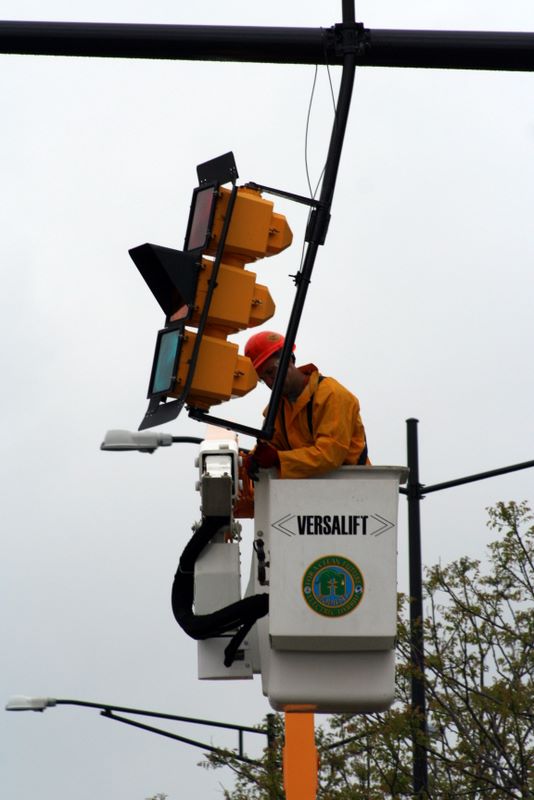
480, 476
181, 42
486, 50
105, 708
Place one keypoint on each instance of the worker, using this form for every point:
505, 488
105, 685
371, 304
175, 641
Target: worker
318, 426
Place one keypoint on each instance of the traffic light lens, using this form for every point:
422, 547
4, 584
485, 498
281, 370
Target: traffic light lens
165, 362
200, 218
182, 313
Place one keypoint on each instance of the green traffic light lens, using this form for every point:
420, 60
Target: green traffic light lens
165, 362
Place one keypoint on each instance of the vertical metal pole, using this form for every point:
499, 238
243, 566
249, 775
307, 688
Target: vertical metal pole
420, 763
318, 234
271, 733
348, 11
271, 757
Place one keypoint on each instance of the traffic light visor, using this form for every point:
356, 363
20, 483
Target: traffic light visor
165, 364
171, 275
201, 217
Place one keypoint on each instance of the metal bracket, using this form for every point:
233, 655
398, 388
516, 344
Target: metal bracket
318, 225
350, 37
297, 198
222, 169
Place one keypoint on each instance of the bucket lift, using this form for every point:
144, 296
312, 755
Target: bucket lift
206, 593
330, 544
318, 620
322, 588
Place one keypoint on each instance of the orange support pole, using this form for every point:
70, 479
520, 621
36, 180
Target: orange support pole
300, 757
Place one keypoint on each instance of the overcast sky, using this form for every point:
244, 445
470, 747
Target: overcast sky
421, 303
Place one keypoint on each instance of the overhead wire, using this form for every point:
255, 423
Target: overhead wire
312, 192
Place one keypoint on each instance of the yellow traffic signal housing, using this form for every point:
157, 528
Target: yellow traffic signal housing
255, 230
238, 302
208, 288
220, 372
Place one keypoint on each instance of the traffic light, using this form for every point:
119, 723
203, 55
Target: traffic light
206, 287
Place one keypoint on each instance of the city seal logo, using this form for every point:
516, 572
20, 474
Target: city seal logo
332, 586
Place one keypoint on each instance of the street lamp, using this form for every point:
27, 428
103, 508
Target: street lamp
23, 703
144, 442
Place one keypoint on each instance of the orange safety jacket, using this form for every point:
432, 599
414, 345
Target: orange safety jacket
321, 430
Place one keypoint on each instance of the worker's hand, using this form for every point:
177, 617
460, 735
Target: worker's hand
264, 456
251, 467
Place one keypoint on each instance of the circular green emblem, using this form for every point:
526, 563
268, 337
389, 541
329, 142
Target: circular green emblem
332, 586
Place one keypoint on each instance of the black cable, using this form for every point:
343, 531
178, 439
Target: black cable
306, 166
310, 104
240, 615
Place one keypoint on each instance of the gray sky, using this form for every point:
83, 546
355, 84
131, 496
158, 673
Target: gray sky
421, 303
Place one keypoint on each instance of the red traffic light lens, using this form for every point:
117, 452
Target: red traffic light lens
200, 218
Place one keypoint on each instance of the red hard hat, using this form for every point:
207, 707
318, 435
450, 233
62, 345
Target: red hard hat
262, 346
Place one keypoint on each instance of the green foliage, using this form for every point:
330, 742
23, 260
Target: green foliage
480, 665
255, 782
479, 670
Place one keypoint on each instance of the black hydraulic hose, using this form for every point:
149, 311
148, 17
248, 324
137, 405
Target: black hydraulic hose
241, 614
